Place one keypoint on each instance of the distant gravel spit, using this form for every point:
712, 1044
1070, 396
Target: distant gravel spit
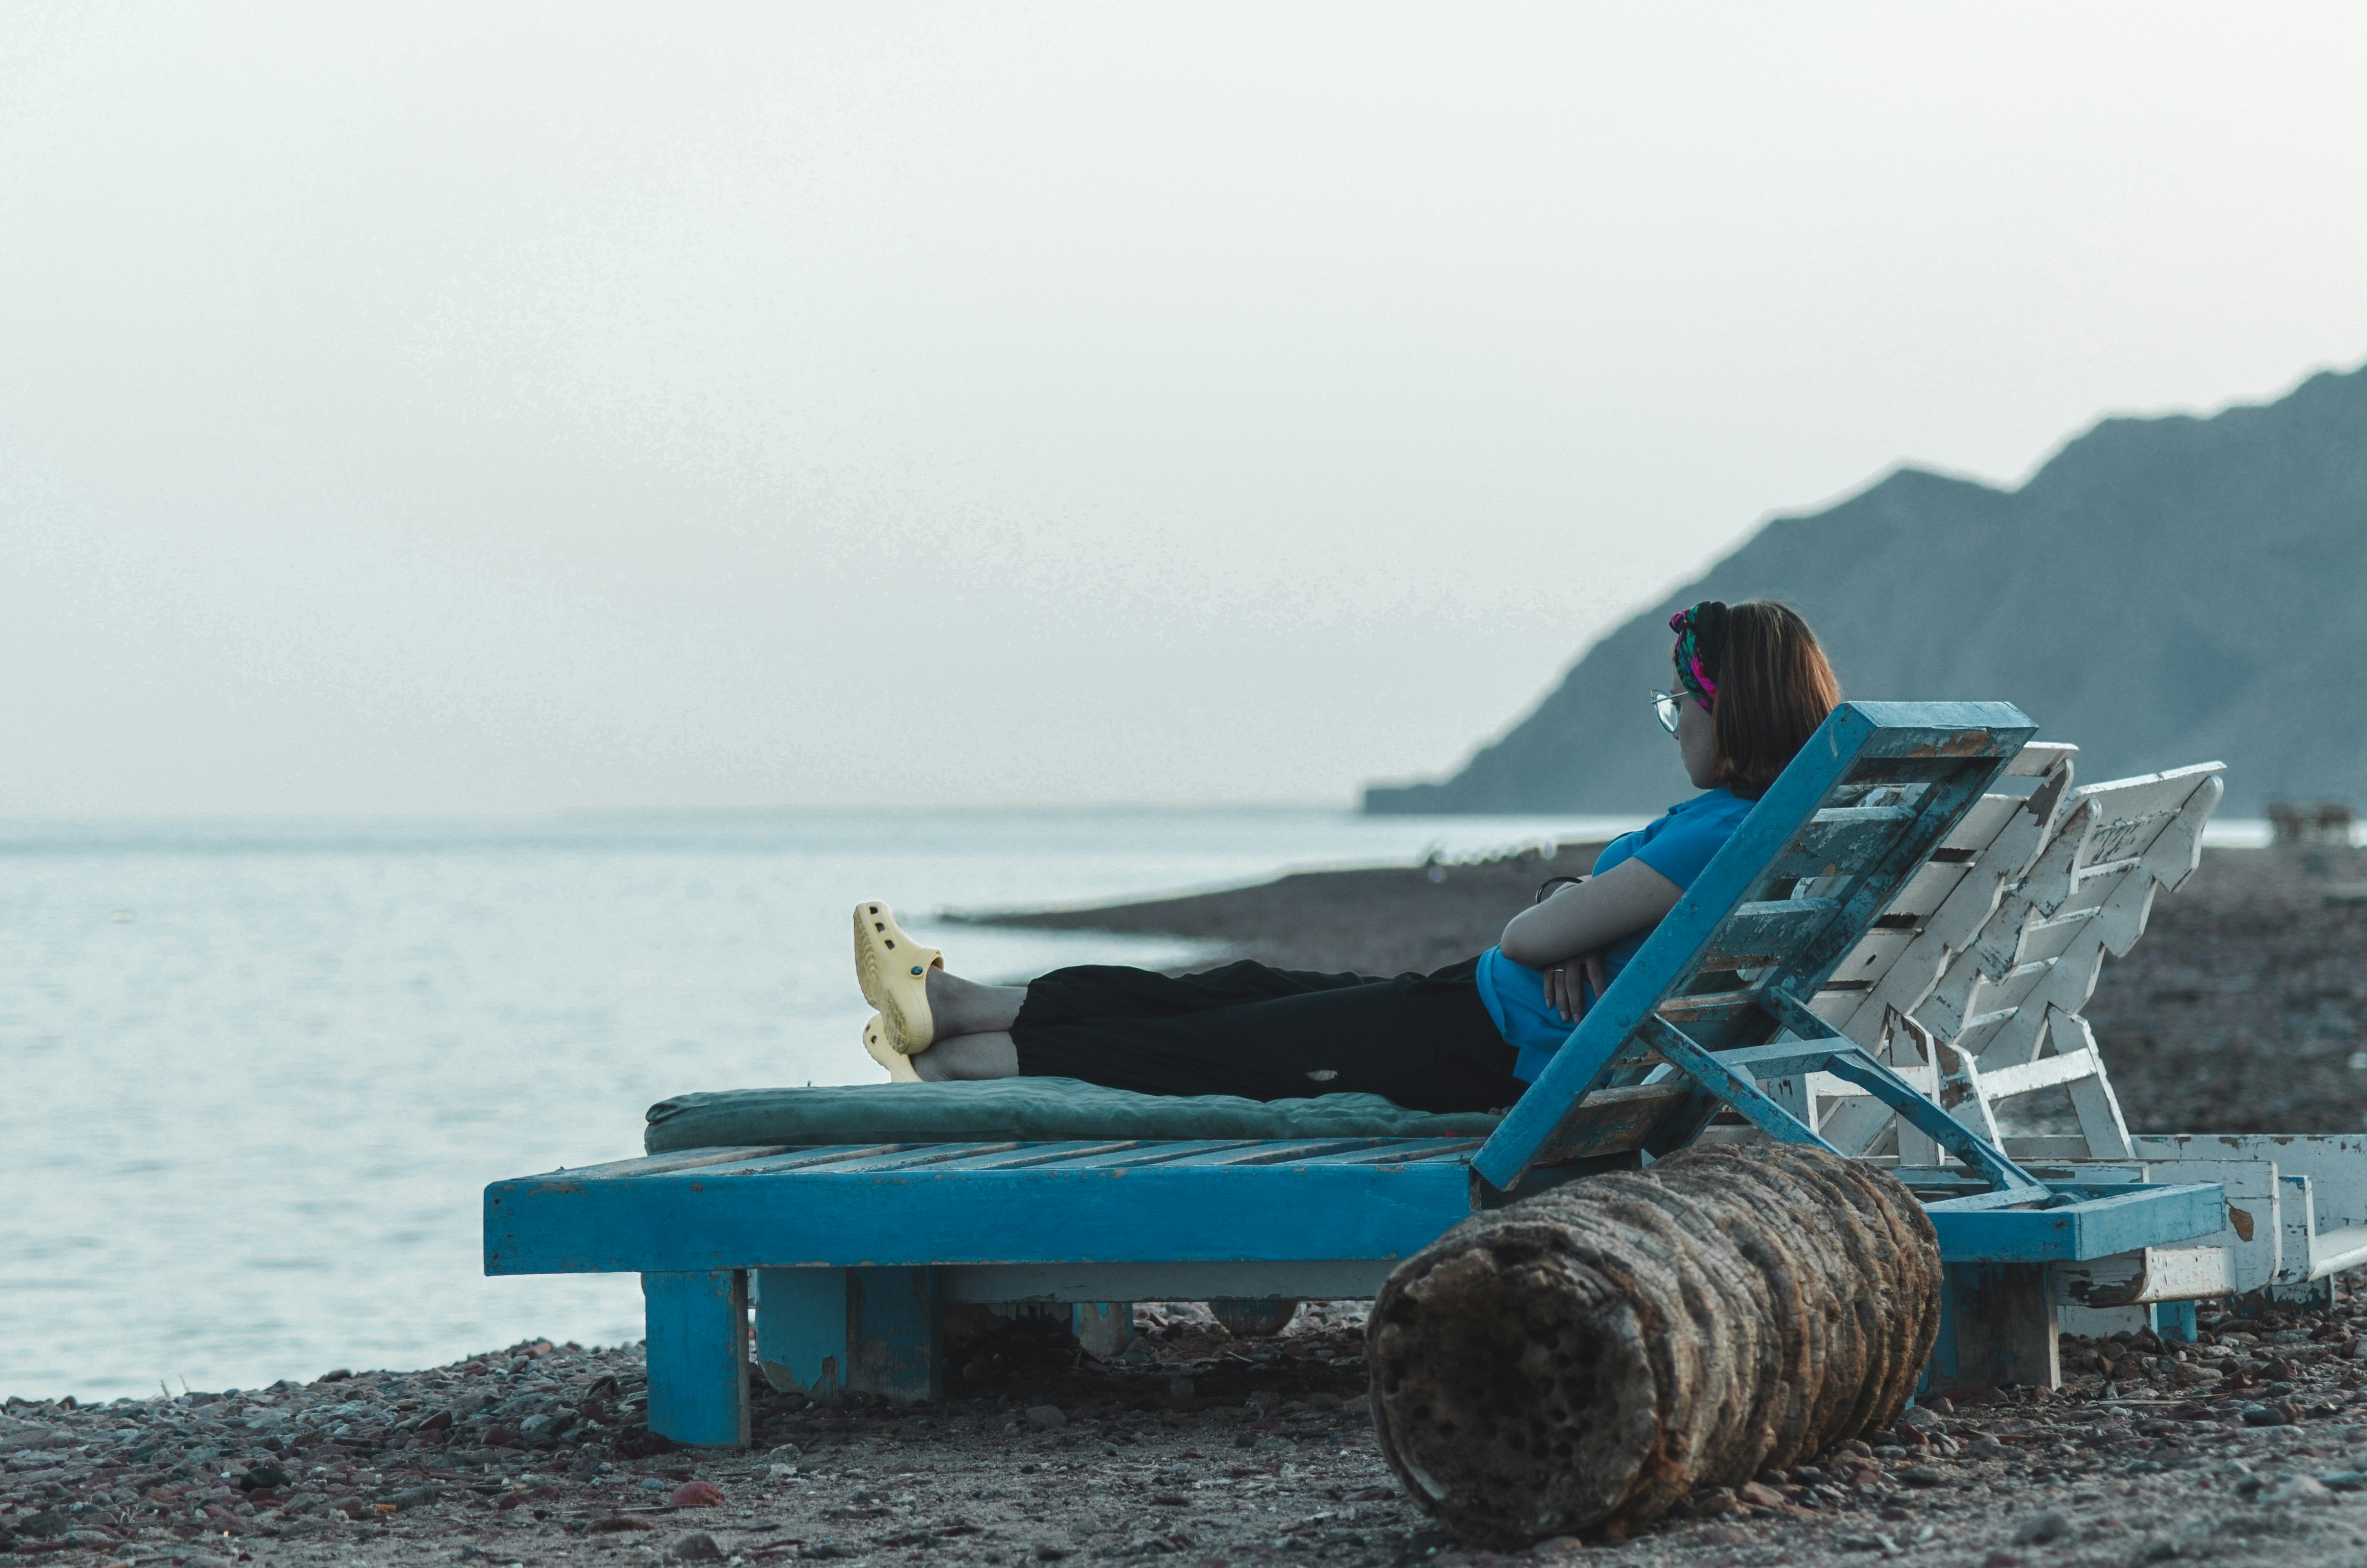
2244, 1009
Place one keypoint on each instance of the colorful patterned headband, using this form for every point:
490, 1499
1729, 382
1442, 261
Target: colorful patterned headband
1701, 646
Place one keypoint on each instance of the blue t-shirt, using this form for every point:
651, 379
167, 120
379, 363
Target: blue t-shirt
1678, 846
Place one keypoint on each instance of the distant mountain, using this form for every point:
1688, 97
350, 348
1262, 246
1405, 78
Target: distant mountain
2164, 591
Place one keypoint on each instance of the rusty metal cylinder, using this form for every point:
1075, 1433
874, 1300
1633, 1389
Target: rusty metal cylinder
1582, 1360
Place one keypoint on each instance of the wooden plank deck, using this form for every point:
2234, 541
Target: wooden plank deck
1065, 1204
1028, 1204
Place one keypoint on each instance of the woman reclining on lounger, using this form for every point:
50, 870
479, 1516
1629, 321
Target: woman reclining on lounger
1751, 685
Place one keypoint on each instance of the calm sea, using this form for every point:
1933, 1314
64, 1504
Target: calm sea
257, 1076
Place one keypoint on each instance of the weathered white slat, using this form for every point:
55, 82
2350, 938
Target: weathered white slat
2040, 758
1872, 958
2048, 881
2173, 855
1835, 1006
1928, 888
2139, 1278
1981, 824
2092, 1099
2137, 811
2299, 1225
2092, 887
2037, 1148
1967, 1098
1853, 1122
2121, 920
2044, 940
2047, 1072
2331, 1252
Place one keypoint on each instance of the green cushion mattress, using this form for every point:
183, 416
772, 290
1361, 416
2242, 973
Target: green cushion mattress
1024, 1110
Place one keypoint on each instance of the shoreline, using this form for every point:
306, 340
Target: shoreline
1372, 919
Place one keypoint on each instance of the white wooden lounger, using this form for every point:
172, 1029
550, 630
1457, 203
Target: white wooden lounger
1978, 1022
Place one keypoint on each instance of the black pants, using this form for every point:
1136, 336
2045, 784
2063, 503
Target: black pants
1424, 1040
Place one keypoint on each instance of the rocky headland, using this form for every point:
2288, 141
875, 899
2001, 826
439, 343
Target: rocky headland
2140, 594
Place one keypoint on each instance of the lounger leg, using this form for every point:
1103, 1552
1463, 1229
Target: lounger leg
2318, 1293
2171, 1320
895, 1333
801, 1330
2102, 1322
1102, 1328
699, 1356
1999, 1327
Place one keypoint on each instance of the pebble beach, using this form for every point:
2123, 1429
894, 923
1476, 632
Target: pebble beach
1208, 1447
1193, 1445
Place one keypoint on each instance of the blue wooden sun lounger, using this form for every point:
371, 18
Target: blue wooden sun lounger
855, 1251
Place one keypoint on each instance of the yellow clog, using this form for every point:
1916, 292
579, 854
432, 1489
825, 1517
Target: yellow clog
893, 971
875, 1045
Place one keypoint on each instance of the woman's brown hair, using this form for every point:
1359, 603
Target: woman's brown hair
1773, 684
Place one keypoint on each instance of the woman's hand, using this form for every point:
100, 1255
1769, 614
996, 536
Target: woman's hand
1562, 980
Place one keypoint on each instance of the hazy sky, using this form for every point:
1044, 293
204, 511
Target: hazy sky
406, 408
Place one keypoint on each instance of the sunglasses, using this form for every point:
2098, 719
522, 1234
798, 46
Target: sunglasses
1668, 704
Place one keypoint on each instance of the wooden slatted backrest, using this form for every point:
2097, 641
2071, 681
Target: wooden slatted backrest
1856, 814
2005, 992
1944, 907
2088, 893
